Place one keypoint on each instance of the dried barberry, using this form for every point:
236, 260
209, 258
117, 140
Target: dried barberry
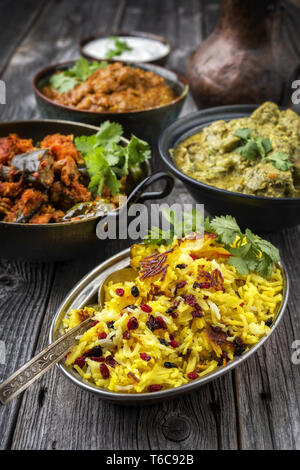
97, 359
174, 344
197, 313
102, 335
196, 284
146, 308
180, 285
193, 375
120, 292
110, 360
160, 322
145, 357
155, 388
132, 323
80, 362
126, 334
104, 371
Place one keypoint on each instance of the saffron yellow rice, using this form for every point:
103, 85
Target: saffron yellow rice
182, 318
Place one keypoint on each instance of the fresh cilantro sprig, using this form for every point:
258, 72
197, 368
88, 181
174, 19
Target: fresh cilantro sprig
189, 223
107, 160
118, 47
280, 161
67, 79
257, 147
250, 253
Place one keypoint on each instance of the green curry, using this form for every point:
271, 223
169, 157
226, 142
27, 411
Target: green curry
258, 155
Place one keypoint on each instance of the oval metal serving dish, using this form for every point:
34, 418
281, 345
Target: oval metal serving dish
85, 293
260, 213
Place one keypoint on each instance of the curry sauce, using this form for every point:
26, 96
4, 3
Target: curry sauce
212, 155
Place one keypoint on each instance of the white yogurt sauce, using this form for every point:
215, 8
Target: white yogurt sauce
143, 49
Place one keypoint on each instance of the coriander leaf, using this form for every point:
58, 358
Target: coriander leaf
107, 161
250, 150
267, 248
156, 236
280, 161
67, 79
62, 82
118, 49
250, 253
239, 264
81, 69
226, 227
137, 151
266, 144
86, 144
109, 133
243, 133
111, 182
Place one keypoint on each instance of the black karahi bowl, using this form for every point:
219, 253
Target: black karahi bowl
65, 240
146, 124
262, 214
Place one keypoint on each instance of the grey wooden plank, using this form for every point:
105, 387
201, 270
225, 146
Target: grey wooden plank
24, 290
53, 38
269, 406
15, 23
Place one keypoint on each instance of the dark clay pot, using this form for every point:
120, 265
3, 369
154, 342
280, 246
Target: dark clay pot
247, 59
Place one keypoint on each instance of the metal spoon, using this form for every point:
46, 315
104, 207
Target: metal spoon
48, 357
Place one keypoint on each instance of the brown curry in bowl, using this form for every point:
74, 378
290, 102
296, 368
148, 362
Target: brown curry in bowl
114, 88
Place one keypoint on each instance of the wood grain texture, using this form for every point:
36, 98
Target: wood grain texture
14, 27
256, 406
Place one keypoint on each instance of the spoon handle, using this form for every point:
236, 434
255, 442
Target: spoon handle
42, 362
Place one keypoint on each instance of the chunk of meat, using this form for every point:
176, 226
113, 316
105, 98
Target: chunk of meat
11, 145
67, 170
5, 207
264, 179
62, 146
11, 189
26, 206
65, 197
46, 214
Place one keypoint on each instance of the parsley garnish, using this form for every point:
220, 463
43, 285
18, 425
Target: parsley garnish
249, 252
67, 79
107, 160
257, 147
119, 47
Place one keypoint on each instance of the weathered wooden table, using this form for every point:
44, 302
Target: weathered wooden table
254, 407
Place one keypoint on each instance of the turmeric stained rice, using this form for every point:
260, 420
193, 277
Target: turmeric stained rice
187, 313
